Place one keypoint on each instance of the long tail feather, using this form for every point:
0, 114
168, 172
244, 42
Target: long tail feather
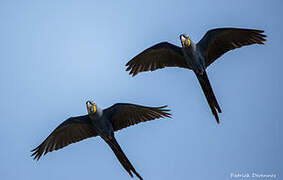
208, 92
122, 157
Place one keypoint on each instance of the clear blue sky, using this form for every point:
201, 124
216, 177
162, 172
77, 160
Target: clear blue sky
55, 55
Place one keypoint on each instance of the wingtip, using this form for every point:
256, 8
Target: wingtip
260, 31
263, 35
128, 68
164, 106
133, 74
130, 73
169, 116
35, 157
165, 111
35, 154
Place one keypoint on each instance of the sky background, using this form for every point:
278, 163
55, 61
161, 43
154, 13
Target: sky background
56, 55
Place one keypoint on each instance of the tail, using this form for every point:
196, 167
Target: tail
122, 157
208, 92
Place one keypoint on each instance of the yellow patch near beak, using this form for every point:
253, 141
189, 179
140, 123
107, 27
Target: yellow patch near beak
189, 42
94, 109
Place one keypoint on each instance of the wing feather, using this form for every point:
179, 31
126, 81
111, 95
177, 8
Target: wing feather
70, 131
156, 57
217, 42
123, 115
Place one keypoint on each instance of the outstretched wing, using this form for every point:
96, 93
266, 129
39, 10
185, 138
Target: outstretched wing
158, 56
70, 131
216, 42
123, 115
